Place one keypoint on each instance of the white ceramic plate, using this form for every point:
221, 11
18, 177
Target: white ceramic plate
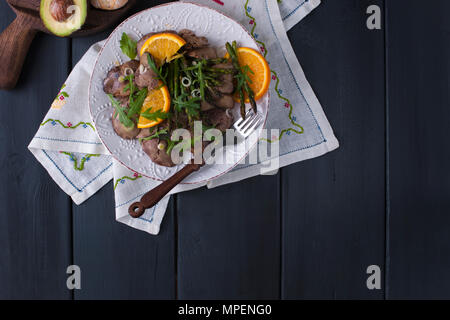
204, 21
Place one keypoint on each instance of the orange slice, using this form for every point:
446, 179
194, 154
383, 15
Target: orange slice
163, 46
261, 72
157, 100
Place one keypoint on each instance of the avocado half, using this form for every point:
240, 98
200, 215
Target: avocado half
63, 17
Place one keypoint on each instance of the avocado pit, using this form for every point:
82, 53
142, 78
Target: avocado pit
59, 9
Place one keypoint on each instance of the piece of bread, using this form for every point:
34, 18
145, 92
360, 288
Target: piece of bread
108, 4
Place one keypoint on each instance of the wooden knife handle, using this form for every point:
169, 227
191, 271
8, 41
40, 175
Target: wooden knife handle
151, 198
15, 41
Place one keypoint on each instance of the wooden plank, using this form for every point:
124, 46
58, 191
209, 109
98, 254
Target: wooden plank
333, 208
229, 241
35, 216
117, 261
419, 154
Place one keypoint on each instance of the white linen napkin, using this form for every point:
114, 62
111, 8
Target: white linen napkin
67, 145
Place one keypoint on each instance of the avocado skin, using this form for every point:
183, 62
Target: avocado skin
62, 29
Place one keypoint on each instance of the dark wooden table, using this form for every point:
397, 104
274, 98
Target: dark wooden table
311, 231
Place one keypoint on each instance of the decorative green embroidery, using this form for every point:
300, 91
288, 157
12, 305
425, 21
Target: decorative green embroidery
61, 92
122, 180
75, 160
253, 22
60, 99
288, 104
300, 129
68, 125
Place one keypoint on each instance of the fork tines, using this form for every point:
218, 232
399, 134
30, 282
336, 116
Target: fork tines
247, 126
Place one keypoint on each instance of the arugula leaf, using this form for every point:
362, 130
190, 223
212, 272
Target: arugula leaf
130, 85
128, 46
158, 71
155, 135
123, 118
136, 99
136, 102
156, 115
162, 134
192, 106
170, 145
187, 144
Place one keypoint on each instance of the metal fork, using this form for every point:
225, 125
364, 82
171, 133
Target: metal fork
247, 126
243, 127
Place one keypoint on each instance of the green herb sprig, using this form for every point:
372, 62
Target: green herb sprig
128, 46
157, 134
190, 105
130, 84
156, 115
162, 134
162, 75
136, 102
242, 78
123, 117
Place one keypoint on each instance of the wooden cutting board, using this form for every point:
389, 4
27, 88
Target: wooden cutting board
15, 40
